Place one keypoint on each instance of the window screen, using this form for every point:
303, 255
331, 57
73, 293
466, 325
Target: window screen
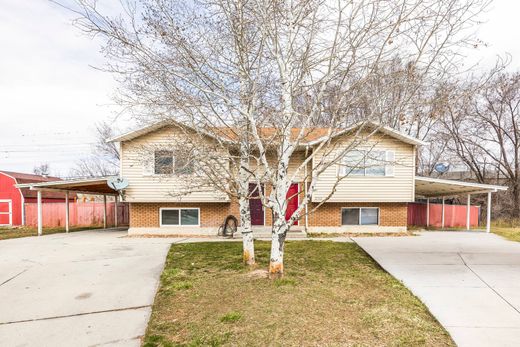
350, 216
170, 217
183, 166
375, 163
369, 216
189, 217
163, 162
354, 163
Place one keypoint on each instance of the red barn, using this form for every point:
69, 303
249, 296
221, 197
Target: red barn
12, 199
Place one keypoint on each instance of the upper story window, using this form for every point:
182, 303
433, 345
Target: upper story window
183, 166
368, 163
166, 163
163, 162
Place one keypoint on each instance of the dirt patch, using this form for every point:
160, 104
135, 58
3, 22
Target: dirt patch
258, 274
83, 296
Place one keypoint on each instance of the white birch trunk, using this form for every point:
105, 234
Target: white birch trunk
245, 212
280, 229
247, 232
281, 185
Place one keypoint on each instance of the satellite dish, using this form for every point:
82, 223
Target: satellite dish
442, 167
117, 183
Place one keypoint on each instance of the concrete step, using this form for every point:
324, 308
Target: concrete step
297, 234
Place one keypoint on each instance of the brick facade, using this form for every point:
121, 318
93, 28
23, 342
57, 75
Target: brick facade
146, 215
213, 214
393, 214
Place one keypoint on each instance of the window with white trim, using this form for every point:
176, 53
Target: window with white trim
166, 163
360, 216
368, 163
179, 217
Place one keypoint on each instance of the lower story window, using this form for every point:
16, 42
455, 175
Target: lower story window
180, 216
360, 216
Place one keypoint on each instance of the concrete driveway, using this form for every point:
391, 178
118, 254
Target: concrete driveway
469, 281
78, 289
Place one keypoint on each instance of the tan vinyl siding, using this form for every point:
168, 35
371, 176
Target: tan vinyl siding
294, 166
396, 188
148, 187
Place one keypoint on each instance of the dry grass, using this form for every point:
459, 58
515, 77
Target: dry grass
332, 294
509, 233
17, 232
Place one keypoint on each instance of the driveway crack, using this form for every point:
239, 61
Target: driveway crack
487, 284
75, 315
13, 277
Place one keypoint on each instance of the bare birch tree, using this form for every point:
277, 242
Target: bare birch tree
318, 45
260, 72
192, 63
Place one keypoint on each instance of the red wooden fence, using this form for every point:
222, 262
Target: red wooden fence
454, 215
80, 214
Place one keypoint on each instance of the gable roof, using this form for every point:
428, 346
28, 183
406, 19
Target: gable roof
25, 178
21, 177
151, 128
312, 136
374, 126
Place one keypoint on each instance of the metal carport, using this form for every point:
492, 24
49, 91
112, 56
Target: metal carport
429, 187
93, 186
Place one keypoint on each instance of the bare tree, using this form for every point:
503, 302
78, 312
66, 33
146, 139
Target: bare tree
485, 135
104, 159
195, 64
314, 46
254, 75
42, 169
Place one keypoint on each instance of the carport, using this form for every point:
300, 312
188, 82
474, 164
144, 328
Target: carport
92, 186
428, 187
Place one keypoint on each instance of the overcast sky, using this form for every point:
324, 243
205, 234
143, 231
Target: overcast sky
51, 97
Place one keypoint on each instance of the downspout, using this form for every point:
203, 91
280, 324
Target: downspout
305, 190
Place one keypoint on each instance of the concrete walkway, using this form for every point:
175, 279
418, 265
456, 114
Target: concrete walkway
469, 281
78, 289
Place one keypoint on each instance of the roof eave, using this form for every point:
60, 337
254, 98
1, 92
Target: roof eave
465, 187
387, 130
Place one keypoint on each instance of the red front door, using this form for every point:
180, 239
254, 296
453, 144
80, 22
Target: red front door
255, 205
292, 201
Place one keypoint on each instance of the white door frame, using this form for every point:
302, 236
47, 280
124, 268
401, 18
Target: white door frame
10, 213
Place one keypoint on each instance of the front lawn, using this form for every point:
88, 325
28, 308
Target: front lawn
16, 232
332, 294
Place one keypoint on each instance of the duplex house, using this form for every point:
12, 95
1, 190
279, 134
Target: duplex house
371, 197
367, 190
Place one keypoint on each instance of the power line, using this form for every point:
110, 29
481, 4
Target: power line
49, 144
